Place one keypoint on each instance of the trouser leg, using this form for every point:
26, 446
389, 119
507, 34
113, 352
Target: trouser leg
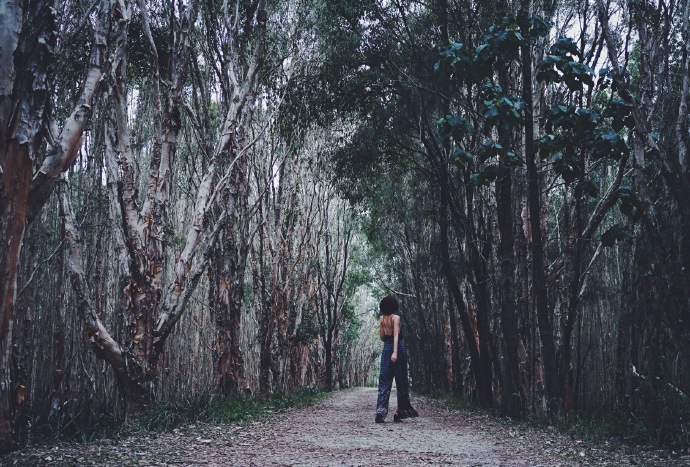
401, 379
386, 376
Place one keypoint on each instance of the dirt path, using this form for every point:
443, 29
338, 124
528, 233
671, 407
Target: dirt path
341, 431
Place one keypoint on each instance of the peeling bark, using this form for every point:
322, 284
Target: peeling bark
103, 344
64, 153
25, 56
227, 271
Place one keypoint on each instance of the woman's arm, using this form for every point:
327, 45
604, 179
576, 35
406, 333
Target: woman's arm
381, 335
396, 332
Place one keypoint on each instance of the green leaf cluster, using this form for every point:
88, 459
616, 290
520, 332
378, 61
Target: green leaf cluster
560, 66
573, 133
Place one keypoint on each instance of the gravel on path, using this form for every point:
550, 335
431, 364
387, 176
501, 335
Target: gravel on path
341, 431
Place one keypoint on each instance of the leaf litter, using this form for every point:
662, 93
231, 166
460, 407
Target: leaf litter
341, 431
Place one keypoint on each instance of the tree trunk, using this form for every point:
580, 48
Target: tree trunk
540, 288
475, 362
226, 290
328, 351
624, 348
480, 249
25, 56
16, 182
511, 395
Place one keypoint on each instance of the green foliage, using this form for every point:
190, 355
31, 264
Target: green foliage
571, 130
299, 397
609, 144
206, 408
501, 43
629, 204
455, 127
560, 66
620, 113
500, 108
538, 27
492, 150
139, 60
104, 426
498, 45
243, 409
159, 418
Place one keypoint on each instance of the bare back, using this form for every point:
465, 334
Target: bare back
386, 323
389, 325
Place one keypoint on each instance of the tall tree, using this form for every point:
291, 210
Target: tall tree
28, 35
140, 233
239, 63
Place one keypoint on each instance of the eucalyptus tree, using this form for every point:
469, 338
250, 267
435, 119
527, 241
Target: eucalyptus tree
152, 306
281, 254
36, 146
234, 53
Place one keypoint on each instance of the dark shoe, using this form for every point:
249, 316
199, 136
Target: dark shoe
396, 417
379, 418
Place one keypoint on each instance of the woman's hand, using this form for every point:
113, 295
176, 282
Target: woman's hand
394, 357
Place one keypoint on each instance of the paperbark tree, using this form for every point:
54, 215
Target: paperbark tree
537, 249
237, 72
140, 234
28, 38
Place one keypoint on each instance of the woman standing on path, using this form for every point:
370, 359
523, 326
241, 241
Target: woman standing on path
393, 364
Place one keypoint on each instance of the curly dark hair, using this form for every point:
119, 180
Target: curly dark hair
389, 305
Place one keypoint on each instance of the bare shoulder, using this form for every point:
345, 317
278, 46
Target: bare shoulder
396, 318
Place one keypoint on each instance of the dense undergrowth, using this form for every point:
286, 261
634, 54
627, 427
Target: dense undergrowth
166, 417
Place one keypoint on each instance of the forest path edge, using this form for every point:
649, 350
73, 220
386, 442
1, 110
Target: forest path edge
341, 431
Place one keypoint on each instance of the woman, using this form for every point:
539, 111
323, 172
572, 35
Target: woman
393, 364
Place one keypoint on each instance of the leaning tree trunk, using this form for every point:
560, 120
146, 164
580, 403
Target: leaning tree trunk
458, 299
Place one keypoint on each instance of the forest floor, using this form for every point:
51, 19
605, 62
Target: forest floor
341, 431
